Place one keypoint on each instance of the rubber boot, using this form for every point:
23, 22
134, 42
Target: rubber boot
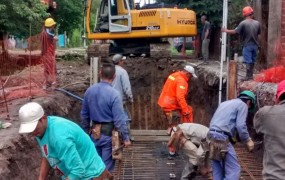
249, 72
189, 171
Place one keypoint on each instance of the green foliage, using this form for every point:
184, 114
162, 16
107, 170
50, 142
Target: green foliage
69, 15
16, 16
213, 9
75, 40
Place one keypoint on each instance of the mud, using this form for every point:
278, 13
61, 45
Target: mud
19, 154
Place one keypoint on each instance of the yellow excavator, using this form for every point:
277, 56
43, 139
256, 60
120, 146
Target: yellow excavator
123, 26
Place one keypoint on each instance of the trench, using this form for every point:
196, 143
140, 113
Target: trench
20, 156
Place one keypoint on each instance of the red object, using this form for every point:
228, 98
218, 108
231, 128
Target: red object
174, 93
280, 88
273, 75
247, 11
48, 58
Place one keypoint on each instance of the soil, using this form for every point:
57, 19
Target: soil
20, 155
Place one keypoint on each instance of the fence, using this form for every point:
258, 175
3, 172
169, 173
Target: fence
21, 68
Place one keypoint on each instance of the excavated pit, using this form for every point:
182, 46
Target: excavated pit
20, 156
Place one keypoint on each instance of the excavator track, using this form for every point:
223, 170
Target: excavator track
154, 50
98, 50
160, 50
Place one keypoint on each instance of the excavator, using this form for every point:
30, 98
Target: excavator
129, 28
125, 27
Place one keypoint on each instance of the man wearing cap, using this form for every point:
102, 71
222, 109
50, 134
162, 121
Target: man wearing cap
103, 107
122, 83
249, 30
65, 147
48, 40
270, 121
191, 138
228, 121
172, 99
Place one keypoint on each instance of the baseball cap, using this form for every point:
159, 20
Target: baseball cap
280, 89
29, 115
118, 57
191, 70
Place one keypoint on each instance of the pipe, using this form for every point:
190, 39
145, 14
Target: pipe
69, 93
223, 49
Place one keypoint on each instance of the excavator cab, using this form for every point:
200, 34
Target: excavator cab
113, 16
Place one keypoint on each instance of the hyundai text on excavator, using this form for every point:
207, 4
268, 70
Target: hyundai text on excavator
131, 29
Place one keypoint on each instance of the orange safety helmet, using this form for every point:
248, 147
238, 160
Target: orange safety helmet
247, 11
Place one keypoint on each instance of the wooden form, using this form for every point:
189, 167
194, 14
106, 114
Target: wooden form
232, 79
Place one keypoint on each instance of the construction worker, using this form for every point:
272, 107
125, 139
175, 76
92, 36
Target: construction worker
173, 99
249, 30
65, 147
48, 53
205, 38
191, 138
228, 121
122, 84
103, 107
269, 121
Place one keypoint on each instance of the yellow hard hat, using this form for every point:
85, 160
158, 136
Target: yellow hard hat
49, 22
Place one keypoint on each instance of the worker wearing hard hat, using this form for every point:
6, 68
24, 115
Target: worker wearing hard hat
64, 145
48, 53
249, 30
228, 121
270, 122
173, 99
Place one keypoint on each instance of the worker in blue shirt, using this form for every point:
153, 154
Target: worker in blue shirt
64, 145
228, 121
103, 106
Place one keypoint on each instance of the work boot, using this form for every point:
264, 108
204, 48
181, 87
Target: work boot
171, 155
249, 72
189, 171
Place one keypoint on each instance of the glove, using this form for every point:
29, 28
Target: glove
250, 145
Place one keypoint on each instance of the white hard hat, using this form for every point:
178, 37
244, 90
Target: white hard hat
29, 115
191, 70
118, 57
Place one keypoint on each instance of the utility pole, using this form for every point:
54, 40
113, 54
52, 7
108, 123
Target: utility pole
223, 47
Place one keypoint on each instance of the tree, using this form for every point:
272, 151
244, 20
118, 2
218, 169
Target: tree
17, 15
69, 15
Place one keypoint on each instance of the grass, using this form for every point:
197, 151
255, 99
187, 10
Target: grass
175, 52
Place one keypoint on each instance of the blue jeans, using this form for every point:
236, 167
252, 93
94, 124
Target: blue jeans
232, 167
104, 149
249, 53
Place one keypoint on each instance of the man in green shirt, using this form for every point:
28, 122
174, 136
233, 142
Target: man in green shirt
64, 145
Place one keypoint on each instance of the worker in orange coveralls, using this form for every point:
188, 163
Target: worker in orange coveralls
173, 100
48, 53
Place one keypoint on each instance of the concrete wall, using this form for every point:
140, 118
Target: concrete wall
275, 33
282, 46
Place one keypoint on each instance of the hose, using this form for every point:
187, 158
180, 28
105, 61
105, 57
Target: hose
69, 93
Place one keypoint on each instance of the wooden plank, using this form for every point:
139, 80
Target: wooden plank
149, 132
151, 138
139, 112
233, 80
